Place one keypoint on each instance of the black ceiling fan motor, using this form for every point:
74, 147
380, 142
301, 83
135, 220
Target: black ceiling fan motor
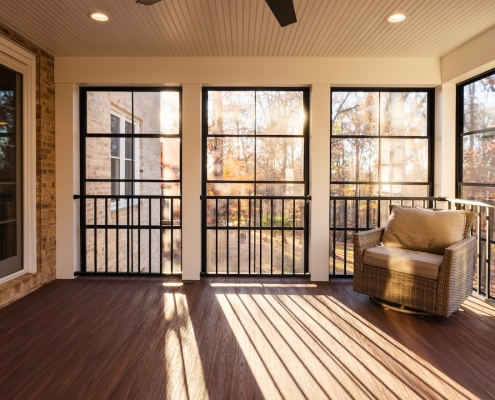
148, 2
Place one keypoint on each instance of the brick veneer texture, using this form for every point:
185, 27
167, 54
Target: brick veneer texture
45, 176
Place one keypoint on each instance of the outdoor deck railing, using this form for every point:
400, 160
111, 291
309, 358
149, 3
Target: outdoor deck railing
255, 235
355, 214
484, 230
130, 235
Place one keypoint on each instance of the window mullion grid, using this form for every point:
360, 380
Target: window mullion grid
122, 156
133, 151
379, 172
380, 138
255, 143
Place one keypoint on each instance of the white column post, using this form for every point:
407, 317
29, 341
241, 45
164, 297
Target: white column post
445, 136
319, 178
191, 182
67, 179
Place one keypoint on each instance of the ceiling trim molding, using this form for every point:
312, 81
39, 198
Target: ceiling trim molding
259, 71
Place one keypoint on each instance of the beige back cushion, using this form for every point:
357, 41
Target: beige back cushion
425, 230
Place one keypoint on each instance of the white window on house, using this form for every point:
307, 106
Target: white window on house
124, 153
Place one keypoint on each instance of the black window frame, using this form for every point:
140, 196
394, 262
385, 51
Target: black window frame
130, 200
460, 134
306, 174
205, 135
430, 134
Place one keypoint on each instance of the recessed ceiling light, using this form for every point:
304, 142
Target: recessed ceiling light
397, 17
98, 16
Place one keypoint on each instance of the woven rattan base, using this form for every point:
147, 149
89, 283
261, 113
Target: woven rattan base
398, 307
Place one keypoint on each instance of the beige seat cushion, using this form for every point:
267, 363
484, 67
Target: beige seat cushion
406, 261
424, 230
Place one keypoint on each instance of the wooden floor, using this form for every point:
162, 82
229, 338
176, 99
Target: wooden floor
225, 338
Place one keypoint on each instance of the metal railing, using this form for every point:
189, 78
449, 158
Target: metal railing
354, 214
484, 230
248, 235
130, 235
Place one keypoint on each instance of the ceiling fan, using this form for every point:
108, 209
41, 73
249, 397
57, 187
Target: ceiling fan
282, 9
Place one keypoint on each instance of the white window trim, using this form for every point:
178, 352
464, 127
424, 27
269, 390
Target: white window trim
125, 116
20, 60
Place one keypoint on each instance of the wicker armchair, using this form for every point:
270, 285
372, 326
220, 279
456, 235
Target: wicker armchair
413, 270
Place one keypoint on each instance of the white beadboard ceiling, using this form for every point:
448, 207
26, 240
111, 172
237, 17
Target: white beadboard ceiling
325, 28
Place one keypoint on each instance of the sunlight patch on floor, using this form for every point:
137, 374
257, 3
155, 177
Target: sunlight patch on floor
270, 285
182, 358
478, 306
316, 347
419, 375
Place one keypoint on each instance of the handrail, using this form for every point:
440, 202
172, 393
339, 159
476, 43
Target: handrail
468, 202
222, 197
123, 197
425, 198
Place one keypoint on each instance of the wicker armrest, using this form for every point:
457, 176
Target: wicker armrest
363, 241
462, 244
455, 277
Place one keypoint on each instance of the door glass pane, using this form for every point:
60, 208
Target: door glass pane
7, 235
10, 172
7, 201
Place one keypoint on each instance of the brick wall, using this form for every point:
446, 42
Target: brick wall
45, 176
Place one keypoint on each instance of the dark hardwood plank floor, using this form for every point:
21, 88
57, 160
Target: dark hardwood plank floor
228, 338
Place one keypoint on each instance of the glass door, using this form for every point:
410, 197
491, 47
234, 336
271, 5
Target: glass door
10, 172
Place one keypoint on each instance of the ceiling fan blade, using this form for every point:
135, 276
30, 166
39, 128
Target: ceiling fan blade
283, 10
147, 2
